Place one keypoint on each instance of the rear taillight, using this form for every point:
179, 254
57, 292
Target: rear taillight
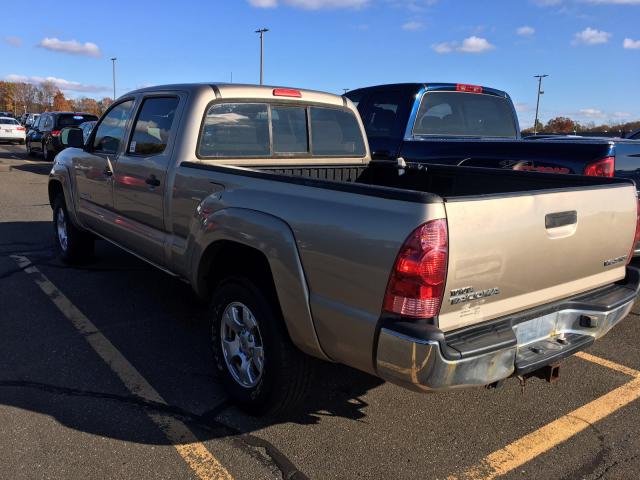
601, 168
55, 133
20, 129
416, 284
636, 237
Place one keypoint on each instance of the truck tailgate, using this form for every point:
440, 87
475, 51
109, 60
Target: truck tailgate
511, 252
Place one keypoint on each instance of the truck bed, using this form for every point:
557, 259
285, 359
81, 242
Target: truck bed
444, 181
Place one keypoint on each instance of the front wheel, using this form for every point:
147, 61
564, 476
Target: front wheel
261, 369
73, 245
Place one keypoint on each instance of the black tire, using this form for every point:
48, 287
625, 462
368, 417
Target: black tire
79, 245
286, 372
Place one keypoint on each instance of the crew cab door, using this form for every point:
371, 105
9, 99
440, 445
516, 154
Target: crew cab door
140, 176
93, 168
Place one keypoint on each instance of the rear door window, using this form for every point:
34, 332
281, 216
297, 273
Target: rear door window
335, 133
235, 130
289, 126
152, 128
382, 113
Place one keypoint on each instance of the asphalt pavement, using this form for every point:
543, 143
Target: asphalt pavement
67, 410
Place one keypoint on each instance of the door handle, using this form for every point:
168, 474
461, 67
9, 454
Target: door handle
152, 181
560, 219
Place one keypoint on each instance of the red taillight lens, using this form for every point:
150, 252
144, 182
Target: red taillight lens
416, 284
55, 133
636, 237
286, 92
462, 87
20, 129
601, 168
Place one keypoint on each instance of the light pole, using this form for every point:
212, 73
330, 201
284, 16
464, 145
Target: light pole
262, 31
540, 92
113, 64
345, 90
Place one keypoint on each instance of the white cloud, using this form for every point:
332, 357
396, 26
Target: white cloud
616, 2
591, 113
444, 47
310, 4
472, 44
526, 31
264, 3
631, 44
412, 26
522, 107
591, 36
70, 46
13, 41
61, 83
475, 44
621, 115
546, 3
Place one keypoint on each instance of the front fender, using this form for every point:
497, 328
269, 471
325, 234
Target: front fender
60, 173
274, 238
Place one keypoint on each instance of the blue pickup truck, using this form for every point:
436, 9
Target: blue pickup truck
470, 125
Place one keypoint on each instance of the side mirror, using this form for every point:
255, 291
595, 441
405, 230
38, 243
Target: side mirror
72, 137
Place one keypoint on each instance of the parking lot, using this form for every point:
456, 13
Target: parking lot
106, 373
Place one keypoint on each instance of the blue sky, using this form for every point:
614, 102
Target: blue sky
590, 48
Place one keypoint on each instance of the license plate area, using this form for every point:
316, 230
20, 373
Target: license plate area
537, 329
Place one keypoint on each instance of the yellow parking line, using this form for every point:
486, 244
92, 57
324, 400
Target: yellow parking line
551, 435
608, 363
194, 453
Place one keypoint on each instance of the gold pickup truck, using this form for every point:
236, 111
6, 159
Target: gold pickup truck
266, 200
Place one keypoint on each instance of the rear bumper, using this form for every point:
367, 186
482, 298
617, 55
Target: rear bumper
423, 358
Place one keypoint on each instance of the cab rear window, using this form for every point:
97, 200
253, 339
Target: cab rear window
250, 130
72, 120
461, 114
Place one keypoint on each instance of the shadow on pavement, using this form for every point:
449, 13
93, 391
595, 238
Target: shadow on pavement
39, 168
155, 321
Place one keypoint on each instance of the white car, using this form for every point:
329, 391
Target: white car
11, 130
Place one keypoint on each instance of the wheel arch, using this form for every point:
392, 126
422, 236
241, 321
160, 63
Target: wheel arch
241, 241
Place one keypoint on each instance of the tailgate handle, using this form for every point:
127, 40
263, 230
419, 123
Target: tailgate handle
560, 219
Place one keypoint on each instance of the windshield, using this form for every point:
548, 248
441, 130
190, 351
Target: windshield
465, 114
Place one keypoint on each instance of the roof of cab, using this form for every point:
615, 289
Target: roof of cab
431, 86
236, 90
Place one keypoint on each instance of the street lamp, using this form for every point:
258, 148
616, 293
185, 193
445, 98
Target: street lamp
262, 31
540, 92
113, 64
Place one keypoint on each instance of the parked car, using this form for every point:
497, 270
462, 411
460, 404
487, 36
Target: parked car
634, 135
31, 118
265, 200
49, 127
33, 138
86, 128
6, 114
11, 130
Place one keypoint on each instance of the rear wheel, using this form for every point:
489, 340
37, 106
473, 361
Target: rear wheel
73, 245
261, 369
